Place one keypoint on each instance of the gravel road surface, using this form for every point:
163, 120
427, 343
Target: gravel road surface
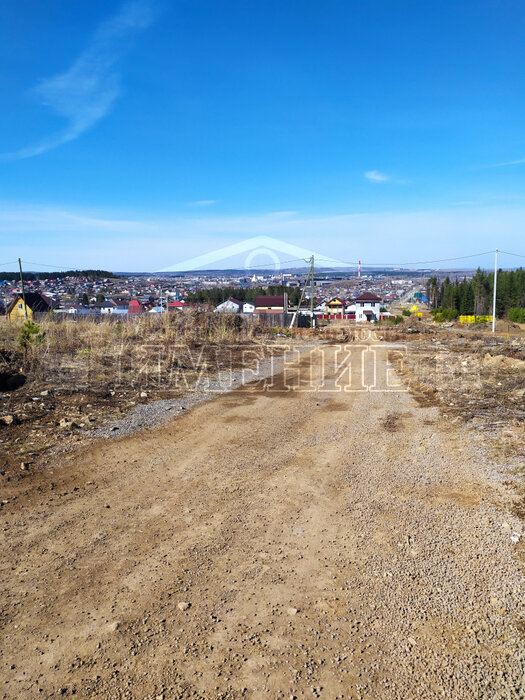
268, 543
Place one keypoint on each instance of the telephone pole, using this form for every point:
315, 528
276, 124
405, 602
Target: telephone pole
495, 285
311, 276
312, 293
23, 290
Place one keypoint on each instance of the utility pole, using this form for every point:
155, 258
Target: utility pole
310, 274
23, 290
495, 286
312, 293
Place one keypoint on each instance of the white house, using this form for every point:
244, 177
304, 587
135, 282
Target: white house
367, 307
248, 307
107, 307
230, 306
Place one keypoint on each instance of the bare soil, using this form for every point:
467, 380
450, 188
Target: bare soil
268, 543
66, 399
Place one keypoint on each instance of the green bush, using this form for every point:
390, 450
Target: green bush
406, 312
441, 315
516, 315
450, 314
30, 334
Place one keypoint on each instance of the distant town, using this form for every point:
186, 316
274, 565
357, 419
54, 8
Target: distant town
236, 291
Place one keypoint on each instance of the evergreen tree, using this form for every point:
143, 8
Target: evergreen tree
475, 296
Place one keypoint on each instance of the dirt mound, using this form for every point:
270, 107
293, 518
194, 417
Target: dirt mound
503, 361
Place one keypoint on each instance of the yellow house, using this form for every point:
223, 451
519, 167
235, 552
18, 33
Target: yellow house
35, 303
335, 307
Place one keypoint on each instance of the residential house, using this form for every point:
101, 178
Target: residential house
248, 307
367, 307
271, 304
230, 306
134, 307
108, 306
35, 303
335, 308
177, 305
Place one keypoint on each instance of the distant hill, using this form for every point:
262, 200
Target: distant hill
90, 274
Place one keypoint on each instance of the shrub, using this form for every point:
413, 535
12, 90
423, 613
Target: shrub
441, 315
406, 312
516, 315
30, 334
449, 314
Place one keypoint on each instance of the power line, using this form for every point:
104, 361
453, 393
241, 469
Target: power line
281, 262
516, 255
72, 268
54, 267
418, 262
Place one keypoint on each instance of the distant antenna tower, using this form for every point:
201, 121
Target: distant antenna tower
359, 271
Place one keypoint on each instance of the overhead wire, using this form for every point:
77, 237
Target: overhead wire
516, 255
318, 260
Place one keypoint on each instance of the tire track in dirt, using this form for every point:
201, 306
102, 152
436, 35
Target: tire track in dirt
321, 555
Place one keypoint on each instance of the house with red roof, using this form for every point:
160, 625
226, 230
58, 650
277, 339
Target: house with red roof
134, 307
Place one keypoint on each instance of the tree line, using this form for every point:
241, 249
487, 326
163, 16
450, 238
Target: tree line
32, 276
219, 294
474, 296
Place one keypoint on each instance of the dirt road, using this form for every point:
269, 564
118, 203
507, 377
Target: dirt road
267, 544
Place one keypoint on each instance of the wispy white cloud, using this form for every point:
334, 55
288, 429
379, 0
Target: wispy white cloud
85, 93
205, 202
376, 176
519, 161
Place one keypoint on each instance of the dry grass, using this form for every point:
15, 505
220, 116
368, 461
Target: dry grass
71, 335
477, 380
93, 372
70, 350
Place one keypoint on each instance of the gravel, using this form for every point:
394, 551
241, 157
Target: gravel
156, 413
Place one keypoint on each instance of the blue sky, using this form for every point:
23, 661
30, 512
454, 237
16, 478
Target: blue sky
135, 135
